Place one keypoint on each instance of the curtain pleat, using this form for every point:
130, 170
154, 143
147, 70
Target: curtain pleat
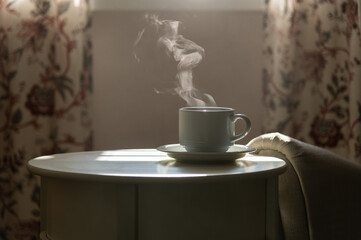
45, 93
312, 73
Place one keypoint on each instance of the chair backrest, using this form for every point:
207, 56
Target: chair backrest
319, 194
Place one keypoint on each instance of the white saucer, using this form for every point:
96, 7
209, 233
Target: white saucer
179, 153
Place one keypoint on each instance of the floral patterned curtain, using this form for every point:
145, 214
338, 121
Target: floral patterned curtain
312, 74
45, 88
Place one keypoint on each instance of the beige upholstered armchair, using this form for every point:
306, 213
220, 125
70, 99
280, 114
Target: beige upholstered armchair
319, 194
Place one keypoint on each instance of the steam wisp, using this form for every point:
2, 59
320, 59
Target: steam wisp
188, 55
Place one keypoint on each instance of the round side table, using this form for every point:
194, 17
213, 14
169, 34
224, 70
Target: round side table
143, 194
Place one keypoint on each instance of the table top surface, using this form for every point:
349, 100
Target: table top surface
147, 165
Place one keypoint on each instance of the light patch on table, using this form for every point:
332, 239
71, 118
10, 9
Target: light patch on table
44, 157
140, 156
256, 158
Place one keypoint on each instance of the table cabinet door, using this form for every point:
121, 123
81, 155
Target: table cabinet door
212, 211
89, 210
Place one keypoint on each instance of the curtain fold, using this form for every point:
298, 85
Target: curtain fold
312, 73
45, 93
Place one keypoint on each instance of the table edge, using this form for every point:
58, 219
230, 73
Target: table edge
148, 179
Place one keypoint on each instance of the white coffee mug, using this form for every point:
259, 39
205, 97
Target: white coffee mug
209, 129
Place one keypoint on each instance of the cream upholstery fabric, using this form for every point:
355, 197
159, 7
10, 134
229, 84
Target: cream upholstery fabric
319, 194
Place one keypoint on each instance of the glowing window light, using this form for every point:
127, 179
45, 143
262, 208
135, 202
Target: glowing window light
76, 3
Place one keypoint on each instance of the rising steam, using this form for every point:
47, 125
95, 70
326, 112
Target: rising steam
188, 55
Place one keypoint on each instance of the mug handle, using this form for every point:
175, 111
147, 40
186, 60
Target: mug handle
246, 120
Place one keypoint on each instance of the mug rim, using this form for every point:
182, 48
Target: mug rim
206, 109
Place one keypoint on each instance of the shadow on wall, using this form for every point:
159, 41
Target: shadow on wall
133, 106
